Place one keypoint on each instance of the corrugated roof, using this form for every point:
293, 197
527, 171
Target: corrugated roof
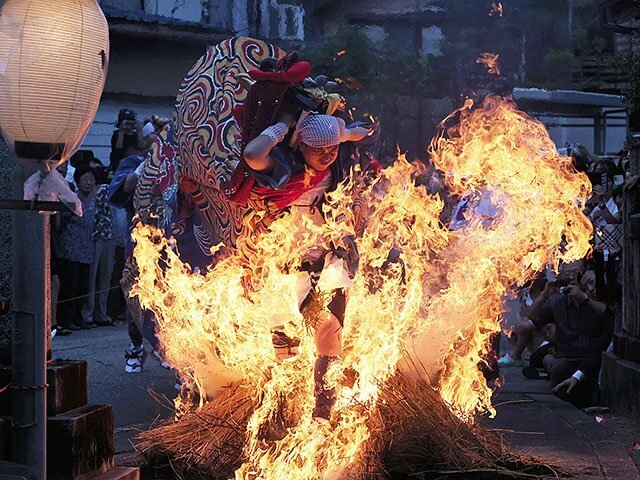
144, 17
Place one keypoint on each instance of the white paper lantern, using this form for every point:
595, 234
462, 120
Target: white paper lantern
54, 56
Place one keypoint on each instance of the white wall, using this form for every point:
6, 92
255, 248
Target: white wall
281, 20
563, 130
99, 137
432, 41
188, 10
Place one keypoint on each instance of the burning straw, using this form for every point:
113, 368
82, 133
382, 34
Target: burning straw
440, 301
414, 434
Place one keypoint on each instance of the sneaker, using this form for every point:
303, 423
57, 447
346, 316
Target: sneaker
134, 359
178, 384
61, 331
507, 361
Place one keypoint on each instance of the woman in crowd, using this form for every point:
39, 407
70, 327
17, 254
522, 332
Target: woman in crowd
94, 310
76, 252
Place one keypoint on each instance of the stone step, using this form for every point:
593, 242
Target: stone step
67, 380
80, 443
119, 473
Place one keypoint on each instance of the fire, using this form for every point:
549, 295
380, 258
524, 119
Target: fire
490, 60
496, 9
423, 294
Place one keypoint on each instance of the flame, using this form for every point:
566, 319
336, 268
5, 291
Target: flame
423, 294
341, 52
490, 60
496, 9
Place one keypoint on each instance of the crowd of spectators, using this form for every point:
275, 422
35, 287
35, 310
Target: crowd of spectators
566, 320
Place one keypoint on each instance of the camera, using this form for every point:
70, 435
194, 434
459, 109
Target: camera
129, 127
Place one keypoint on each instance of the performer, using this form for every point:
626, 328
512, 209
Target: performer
298, 178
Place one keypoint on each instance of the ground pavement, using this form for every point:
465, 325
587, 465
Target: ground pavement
530, 418
535, 421
138, 399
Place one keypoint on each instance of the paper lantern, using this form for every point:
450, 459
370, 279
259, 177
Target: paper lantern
54, 56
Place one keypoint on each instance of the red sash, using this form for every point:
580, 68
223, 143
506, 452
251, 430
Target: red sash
299, 184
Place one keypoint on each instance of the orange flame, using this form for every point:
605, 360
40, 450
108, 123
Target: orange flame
438, 303
490, 60
496, 9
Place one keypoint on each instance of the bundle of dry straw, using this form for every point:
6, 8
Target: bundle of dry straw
414, 435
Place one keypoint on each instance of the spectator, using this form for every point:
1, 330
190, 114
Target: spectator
76, 252
94, 310
116, 305
583, 330
125, 136
523, 334
607, 253
121, 195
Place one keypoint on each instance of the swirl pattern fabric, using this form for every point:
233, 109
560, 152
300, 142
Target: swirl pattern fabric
207, 134
203, 144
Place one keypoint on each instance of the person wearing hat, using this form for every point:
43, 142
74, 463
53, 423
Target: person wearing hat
297, 177
124, 136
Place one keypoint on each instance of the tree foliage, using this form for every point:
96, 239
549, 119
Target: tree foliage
362, 65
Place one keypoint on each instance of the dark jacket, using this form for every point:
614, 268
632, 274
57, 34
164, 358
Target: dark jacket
581, 333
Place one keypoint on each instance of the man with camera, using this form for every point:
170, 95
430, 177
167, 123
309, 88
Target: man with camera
583, 330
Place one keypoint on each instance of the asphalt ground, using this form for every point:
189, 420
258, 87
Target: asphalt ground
138, 399
529, 417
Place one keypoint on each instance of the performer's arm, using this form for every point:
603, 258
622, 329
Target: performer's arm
256, 153
358, 133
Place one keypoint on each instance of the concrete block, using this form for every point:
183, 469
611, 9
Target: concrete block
620, 385
80, 443
67, 380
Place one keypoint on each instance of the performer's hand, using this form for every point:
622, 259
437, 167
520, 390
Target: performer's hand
570, 383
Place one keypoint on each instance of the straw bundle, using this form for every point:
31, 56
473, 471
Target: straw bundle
414, 435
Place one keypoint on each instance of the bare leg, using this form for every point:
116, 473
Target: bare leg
525, 331
328, 337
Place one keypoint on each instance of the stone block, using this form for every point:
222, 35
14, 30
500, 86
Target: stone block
5, 438
120, 473
67, 380
80, 443
15, 471
620, 385
5, 397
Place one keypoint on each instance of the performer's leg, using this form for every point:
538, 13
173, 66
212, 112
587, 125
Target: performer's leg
328, 337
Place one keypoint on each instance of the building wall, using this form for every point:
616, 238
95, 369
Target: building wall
150, 67
563, 130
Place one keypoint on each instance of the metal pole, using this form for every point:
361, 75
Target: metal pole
32, 306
